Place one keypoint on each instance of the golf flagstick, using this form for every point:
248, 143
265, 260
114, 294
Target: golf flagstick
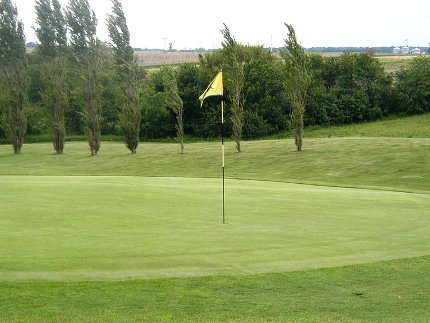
223, 164
216, 88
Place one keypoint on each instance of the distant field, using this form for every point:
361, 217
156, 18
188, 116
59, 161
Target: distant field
152, 58
393, 63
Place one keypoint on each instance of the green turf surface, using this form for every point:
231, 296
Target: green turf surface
126, 227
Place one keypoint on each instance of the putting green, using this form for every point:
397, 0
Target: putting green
118, 227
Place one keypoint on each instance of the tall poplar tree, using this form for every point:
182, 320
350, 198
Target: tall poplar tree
174, 102
127, 76
14, 71
82, 23
52, 34
297, 82
235, 80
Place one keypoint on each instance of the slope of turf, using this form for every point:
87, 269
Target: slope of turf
387, 163
406, 127
393, 291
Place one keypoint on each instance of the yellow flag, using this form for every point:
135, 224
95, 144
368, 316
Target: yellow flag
215, 88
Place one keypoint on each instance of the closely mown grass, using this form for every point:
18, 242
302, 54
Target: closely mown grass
106, 227
392, 291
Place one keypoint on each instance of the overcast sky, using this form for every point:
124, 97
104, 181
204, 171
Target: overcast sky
195, 23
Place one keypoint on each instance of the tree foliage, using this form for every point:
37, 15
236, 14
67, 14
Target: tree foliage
127, 73
51, 28
158, 120
298, 79
189, 90
82, 23
266, 105
174, 102
52, 35
234, 82
14, 71
350, 88
413, 87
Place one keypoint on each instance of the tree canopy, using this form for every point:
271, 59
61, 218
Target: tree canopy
14, 72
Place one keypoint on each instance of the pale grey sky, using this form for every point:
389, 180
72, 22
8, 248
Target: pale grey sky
194, 23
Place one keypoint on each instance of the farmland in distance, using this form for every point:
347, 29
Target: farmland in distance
391, 63
157, 58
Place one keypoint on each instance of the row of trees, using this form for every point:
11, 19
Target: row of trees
278, 94
65, 66
80, 85
13, 67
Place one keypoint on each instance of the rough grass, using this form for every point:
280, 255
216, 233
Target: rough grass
406, 127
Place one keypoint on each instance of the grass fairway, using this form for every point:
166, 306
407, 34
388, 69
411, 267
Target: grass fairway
339, 232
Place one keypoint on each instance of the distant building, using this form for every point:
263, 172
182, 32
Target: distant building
397, 50
416, 51
405, 50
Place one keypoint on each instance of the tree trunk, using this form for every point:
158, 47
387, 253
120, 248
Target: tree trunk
238, 146
298, 143
93, 111
17, 145
93, 151
58, 141
297, 124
